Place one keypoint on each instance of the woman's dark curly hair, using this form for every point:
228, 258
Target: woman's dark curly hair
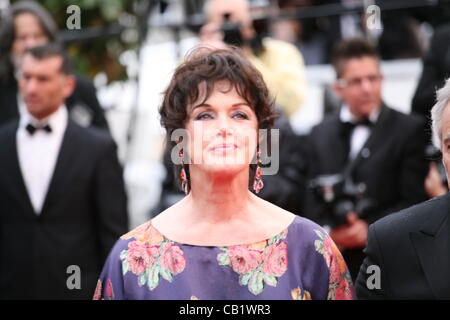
208, 66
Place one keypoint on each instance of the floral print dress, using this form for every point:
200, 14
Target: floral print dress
300, 263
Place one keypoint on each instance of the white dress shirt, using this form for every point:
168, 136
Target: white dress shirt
38, 153
361, 133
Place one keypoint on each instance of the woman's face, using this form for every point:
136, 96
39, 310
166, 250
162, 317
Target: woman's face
222, 131
28, 34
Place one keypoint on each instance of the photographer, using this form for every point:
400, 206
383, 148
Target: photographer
281, 64
367, 160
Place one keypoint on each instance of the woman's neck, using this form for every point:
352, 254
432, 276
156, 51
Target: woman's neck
218, 198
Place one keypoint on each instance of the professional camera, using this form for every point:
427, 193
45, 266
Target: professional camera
340, 195
231, 31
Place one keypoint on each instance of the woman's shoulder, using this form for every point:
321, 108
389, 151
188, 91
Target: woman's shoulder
307, 230
140, 240
144, 233
301, 230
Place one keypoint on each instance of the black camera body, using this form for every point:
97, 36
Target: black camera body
340, 195
231, 31
232, 35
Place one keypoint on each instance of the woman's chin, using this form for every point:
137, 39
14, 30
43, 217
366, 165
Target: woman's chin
224, 169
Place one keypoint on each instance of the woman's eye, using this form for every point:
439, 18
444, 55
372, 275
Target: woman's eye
240, 115
203, 116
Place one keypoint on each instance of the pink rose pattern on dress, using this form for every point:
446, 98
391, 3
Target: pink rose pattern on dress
257, 267
150, 259
109, 292
140, 256
275, 258
340, 282
243, 259
172, 258
98, 291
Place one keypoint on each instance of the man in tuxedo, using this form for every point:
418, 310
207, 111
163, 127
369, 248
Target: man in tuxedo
365, 161
408, 253
26, 25
62, 195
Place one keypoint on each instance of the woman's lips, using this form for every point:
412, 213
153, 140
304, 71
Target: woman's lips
224, 148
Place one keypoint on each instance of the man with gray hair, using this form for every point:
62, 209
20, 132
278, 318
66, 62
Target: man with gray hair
408, 253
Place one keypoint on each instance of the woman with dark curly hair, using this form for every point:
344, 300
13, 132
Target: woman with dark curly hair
221, 241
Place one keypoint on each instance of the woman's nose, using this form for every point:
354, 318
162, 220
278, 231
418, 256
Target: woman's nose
224, 131
224, 126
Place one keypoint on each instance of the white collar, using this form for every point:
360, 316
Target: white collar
345, 115
57, 120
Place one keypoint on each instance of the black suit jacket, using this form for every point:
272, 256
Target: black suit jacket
436, 69
83, 215
412, 249
82, 104
391, 164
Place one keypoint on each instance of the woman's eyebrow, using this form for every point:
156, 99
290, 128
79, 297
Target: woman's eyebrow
201, 105
233, 105
241, 104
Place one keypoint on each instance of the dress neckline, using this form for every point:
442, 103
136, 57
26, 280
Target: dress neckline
278, 234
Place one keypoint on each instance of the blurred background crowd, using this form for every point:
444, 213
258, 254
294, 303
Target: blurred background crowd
124, 53
130, 48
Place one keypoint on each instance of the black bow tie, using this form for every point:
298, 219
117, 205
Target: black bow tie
32, 129
347, 127
364, 122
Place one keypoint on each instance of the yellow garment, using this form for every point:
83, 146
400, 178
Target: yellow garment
282, 67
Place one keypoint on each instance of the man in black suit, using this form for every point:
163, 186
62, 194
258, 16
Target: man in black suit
62, 196
365, 161
26, 25
409, 251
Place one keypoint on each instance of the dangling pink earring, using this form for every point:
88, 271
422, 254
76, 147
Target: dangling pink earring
258, 183
183, 176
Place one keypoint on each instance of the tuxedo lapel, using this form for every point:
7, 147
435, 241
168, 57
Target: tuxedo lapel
432, 245
13, 173
339, 147
65, 157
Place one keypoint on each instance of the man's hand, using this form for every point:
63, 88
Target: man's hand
351, 235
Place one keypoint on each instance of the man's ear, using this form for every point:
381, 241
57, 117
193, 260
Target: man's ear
69, 85
337, 89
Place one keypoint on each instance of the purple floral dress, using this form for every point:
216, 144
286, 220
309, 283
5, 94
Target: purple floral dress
300, 263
